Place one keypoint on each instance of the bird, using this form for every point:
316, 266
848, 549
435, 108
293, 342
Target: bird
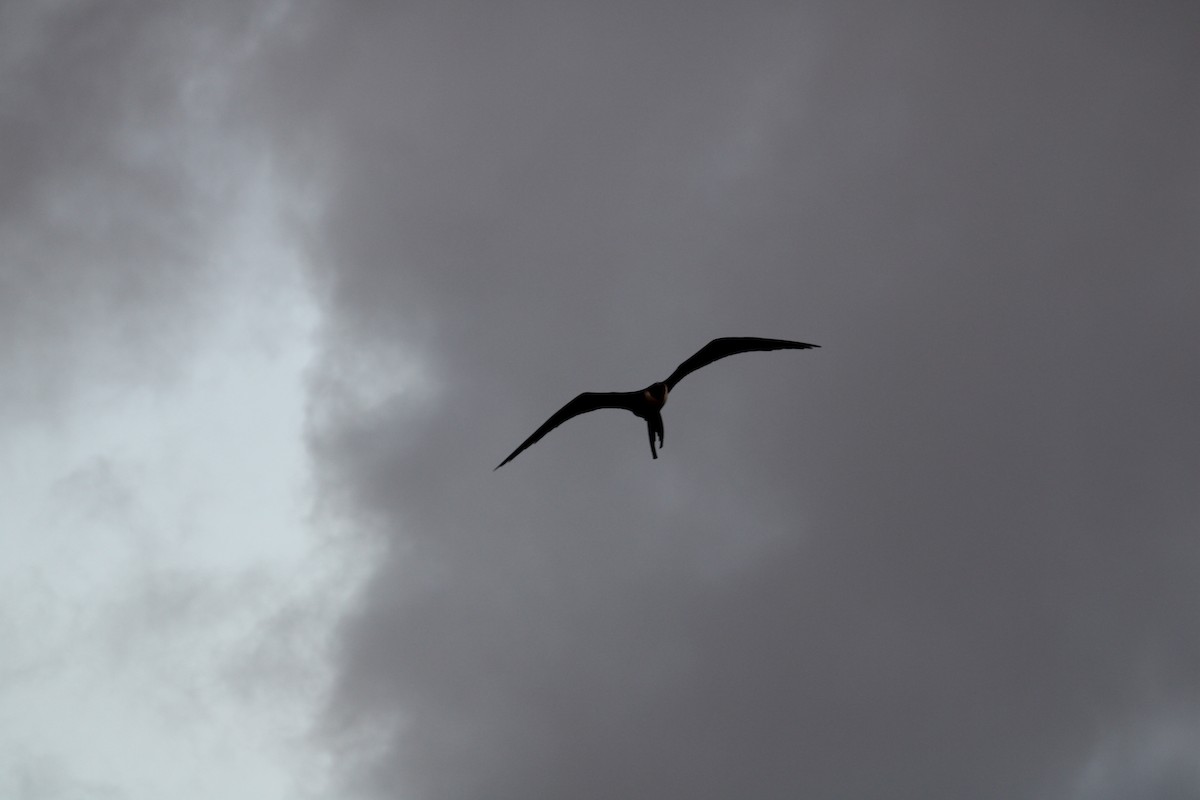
647, 403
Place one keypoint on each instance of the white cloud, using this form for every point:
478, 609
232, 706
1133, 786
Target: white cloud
168, 592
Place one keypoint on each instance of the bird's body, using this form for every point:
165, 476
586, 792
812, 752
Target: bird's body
648, 403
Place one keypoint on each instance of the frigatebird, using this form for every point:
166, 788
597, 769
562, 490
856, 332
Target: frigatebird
648, 403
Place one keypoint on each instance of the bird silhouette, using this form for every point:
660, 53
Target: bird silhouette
648, 402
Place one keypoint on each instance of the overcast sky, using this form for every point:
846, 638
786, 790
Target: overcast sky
282, 281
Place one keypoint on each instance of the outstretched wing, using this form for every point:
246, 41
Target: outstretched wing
588, 401
719, 348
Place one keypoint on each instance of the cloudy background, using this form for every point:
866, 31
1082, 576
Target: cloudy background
281, 282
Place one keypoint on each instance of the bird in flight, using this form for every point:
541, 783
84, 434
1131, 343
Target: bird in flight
648, 402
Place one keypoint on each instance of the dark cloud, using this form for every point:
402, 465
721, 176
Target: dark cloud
946, 555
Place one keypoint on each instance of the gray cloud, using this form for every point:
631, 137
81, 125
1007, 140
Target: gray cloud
1155, 758
116, 188
946, 555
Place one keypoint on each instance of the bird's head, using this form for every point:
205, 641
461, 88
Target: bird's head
656, 393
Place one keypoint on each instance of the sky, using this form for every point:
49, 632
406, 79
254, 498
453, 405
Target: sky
282, 281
